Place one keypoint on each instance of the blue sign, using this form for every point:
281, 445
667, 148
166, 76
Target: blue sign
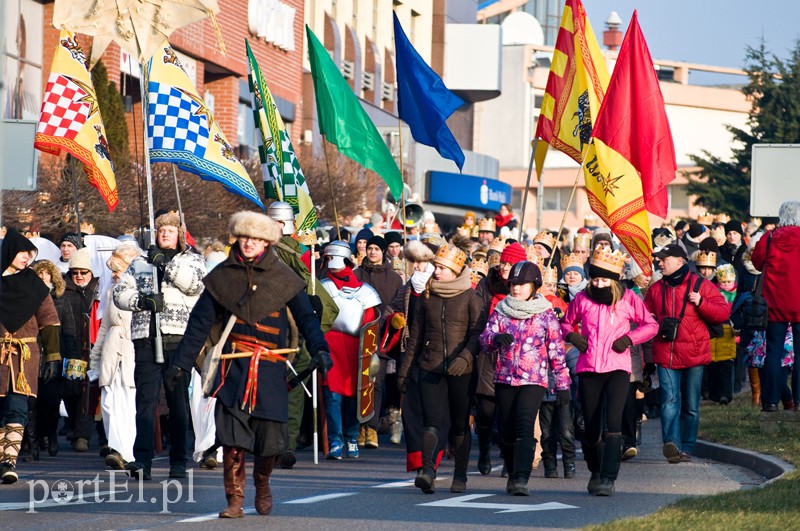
467, 191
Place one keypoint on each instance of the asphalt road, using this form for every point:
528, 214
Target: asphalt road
373, 492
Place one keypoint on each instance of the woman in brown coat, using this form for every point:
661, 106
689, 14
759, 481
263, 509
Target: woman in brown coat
444, 342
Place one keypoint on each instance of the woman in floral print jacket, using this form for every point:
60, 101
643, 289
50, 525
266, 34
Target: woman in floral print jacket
524, 336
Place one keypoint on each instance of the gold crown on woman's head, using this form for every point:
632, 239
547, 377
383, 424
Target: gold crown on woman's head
479, 265
451, 257
487, 225
464, 231
571, 260
604, 258
545, 238
706, 259
705, 219
531, 254
722, 218
726, 273
549, 275
582, 240
307, 237
498, 244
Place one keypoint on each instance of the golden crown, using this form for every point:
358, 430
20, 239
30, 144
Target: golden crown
705, 219
451, 257
718, 233
307, 237
545, 238
493, 259
498, 244
487, 224
722, 218
571, 260
550, 275
613, 261
726, 273
706, 259
465, 231
530, 253
662, 240
590, 220
479, 253
582, 240
479, 265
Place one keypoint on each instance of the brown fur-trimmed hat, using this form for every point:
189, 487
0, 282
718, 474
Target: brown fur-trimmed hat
174, 220
254, 225
416, 251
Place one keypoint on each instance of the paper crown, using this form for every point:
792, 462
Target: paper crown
550, 275
493, 259
718, 233
479, 265
705, 219
465, 231
582, 240
498, 244
722, 218
479, 253
662, 240
545, 238
307, 237
613, 261
706, 259
726, 273
451, 257
487, 225
590, 220
433, 239
530, 253
571, 260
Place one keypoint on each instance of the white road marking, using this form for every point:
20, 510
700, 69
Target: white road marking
76, 500
321, 497
464, 502
209, 517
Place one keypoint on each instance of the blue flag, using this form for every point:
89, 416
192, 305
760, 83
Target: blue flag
425, 102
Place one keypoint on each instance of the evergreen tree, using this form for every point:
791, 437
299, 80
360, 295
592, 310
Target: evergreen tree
113, 111
723, 186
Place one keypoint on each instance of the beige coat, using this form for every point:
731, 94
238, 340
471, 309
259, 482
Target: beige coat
113, 348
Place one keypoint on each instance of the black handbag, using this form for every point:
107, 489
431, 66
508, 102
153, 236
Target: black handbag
755, 315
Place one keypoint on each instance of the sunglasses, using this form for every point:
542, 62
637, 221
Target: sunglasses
79, 272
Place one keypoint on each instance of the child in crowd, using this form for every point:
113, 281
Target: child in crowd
723, 348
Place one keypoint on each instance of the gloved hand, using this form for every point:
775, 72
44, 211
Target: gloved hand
458, 367
173, 377
398, 321
153, 302
621, 344
321, 362
503, 340
316, 304
156, 257
563, 397
649, 368
578, 340
51, 371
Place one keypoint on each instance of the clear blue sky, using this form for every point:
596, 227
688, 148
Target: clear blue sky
712, 32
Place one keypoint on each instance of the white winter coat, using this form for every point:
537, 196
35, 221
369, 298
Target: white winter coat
113, 349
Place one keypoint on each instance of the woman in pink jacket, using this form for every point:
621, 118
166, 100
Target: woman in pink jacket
604, 312
524, 338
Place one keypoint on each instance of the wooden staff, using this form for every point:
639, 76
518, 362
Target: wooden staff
569, 203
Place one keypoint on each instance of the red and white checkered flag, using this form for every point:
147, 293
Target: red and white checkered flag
64, 110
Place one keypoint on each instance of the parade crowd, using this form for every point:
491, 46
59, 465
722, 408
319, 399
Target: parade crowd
537, 346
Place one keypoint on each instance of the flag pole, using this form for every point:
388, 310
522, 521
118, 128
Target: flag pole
527, 187
178, 196
75, 191
330, 186
569, 203
159, 349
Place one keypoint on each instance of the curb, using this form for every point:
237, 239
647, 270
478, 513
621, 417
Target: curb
768, 466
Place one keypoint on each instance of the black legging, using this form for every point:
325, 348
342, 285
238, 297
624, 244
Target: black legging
599, 389
444, 395
518, 407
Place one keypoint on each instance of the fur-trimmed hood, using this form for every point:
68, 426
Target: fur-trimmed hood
254, 225
416, 251
59, 285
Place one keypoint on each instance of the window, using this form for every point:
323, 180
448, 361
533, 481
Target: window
556, 199
678, 198
516, 199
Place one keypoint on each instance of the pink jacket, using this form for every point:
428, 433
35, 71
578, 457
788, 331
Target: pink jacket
602, 325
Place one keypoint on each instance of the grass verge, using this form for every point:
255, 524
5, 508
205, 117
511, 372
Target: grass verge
776, 506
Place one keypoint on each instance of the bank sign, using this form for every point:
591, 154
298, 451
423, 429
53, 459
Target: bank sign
467, 191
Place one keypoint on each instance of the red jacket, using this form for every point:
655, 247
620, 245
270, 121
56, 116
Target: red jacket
781, 281
692, 345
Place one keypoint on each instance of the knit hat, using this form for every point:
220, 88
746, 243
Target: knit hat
393, 236
254, 225
513, 253
602, 234
73, 238
710, 245
696, 229
733, 226
364, 234
174, 220
81, 259
380, 241
573, 262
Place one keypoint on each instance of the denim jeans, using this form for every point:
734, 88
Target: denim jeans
680, 405
340, 412
773, 374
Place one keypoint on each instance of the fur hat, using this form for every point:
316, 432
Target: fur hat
416, 251
174, 220
122, 256
81, 259
601, 234
254, 225
55, 275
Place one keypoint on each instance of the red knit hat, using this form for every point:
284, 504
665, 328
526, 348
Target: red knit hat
513, 253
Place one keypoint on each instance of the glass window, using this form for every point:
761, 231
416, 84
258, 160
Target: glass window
678, 198
516, 199
557, 198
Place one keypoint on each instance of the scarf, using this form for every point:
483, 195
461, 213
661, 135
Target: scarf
676, 278
519, 309
447, 289
419, 279
574, 290
600, 295
502, 221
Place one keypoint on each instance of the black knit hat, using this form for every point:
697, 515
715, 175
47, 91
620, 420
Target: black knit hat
734, 226
710, 245
695, 230
681, 225
393, 237
364, 234
599, 272
379, 241
73, 238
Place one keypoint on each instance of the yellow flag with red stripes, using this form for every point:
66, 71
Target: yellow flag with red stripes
575, 88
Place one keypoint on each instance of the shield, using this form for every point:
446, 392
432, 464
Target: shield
365, 379
138, 26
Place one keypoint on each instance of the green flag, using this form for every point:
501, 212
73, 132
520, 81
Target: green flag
283, 178
344, 122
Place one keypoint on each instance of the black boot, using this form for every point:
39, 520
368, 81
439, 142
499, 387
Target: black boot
484, 449
593, 454
523, 462
426, 480
507, 452
30, 450
612, 454
461, 447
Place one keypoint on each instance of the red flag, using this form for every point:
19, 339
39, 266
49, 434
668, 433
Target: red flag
633, 122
